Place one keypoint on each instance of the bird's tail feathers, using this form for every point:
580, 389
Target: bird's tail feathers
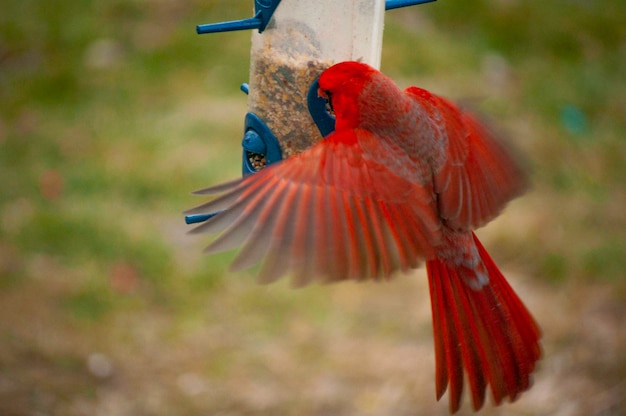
485, 331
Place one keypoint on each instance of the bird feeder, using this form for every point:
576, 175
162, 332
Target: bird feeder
293, 42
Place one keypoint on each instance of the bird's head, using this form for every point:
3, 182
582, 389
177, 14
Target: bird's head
342, 86
358, 94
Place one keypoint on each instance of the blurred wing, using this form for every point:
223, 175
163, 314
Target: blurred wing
331, 212
479, 174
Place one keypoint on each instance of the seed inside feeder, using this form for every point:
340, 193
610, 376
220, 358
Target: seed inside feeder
257, 161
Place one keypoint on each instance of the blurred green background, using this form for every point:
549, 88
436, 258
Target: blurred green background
112, 111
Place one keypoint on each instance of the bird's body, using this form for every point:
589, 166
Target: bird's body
405, 177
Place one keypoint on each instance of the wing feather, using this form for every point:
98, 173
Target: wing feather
477, 174
332, 212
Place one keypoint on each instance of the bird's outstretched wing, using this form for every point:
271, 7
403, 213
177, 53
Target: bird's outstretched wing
332, 212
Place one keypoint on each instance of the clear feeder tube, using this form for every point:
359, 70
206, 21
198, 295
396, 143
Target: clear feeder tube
302, 39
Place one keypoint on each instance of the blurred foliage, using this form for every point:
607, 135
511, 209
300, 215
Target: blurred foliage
112, 111
89, 160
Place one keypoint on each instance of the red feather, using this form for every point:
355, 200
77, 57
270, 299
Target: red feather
332, 212
487, 332
478, 174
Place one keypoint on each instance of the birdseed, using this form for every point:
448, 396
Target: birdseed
279, 98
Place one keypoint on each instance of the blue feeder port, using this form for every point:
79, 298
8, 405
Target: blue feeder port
260, 146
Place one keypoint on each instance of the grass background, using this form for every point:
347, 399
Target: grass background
112, 111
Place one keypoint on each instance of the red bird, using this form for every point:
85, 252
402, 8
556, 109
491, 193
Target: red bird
405, 177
